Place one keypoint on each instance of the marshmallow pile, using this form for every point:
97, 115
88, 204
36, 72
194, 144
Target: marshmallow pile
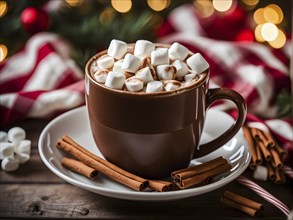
14, 149
145, 67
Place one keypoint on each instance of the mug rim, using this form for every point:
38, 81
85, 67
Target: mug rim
203, 77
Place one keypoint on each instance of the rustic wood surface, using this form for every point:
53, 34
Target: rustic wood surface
34, 192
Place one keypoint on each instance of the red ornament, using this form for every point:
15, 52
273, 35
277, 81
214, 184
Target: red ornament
34, 20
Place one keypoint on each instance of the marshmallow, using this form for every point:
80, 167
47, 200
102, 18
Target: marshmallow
134, 84
181, 68
146, 62
115, 80
154, 86
130, 63
10, 164
16, 134
178, 52
197, 63
6, 150
118, 66
145, 75
117, 49
22, 158
143, 48
160, 56
189, 77
101, 75
260, 173
171, 85
166, 72
3, 136
24, 146
105, 62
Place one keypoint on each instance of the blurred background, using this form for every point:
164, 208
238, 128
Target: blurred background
89, 25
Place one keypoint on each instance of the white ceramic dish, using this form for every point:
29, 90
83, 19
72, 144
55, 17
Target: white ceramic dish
75, 124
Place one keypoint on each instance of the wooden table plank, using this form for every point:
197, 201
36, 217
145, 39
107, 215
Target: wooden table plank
67, 201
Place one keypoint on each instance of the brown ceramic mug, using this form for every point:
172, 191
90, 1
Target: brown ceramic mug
153, 134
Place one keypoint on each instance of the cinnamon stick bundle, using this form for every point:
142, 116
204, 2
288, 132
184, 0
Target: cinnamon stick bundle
246, 205
200, 174
135, 182
79, 167
161, 185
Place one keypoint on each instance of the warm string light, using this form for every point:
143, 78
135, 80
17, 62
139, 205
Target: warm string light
74, 3
204, 8
267, 19
3, 8
122, 6
222, 5
158, 5
3, 52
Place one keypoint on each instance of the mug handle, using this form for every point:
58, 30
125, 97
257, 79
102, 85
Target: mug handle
211, 96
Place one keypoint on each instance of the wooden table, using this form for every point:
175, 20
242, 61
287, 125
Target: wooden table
33, 191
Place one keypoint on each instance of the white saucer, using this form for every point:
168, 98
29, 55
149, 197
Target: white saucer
75, 124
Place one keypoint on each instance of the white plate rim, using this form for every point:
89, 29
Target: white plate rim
134, 195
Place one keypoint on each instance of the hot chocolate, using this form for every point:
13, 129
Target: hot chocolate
146, 67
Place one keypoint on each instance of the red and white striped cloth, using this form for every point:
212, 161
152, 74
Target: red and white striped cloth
258, 72
40, 81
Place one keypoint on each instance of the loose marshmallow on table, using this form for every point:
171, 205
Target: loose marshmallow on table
10, 164
165, 72
24, 146
181, 68
154, 86
22, 158
105, 62
143, 48
145, 75
160, 56
3, 136
6, 150
101, 75
170, 85
115, 80
178, 52
260, 173
197, 63
117, 49
134, 84
130, 63
16, 134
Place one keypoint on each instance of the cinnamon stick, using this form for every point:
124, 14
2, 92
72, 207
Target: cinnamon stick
70, 141
246, 209
258, 154
266, 153
160, 185
281, 151
242, 200
79, 167
204, 177
102, 165
271, 171
276, 158
267, 139
280, 178
251, 144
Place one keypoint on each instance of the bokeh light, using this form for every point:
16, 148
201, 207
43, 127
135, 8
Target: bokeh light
258, 16
74, 3
277, 10
250, 3
222, 5
122, 6
107, 16
279, 41
158, 5
270, 15
3, 52
3, 8
204, 8
269, 31
257, 33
